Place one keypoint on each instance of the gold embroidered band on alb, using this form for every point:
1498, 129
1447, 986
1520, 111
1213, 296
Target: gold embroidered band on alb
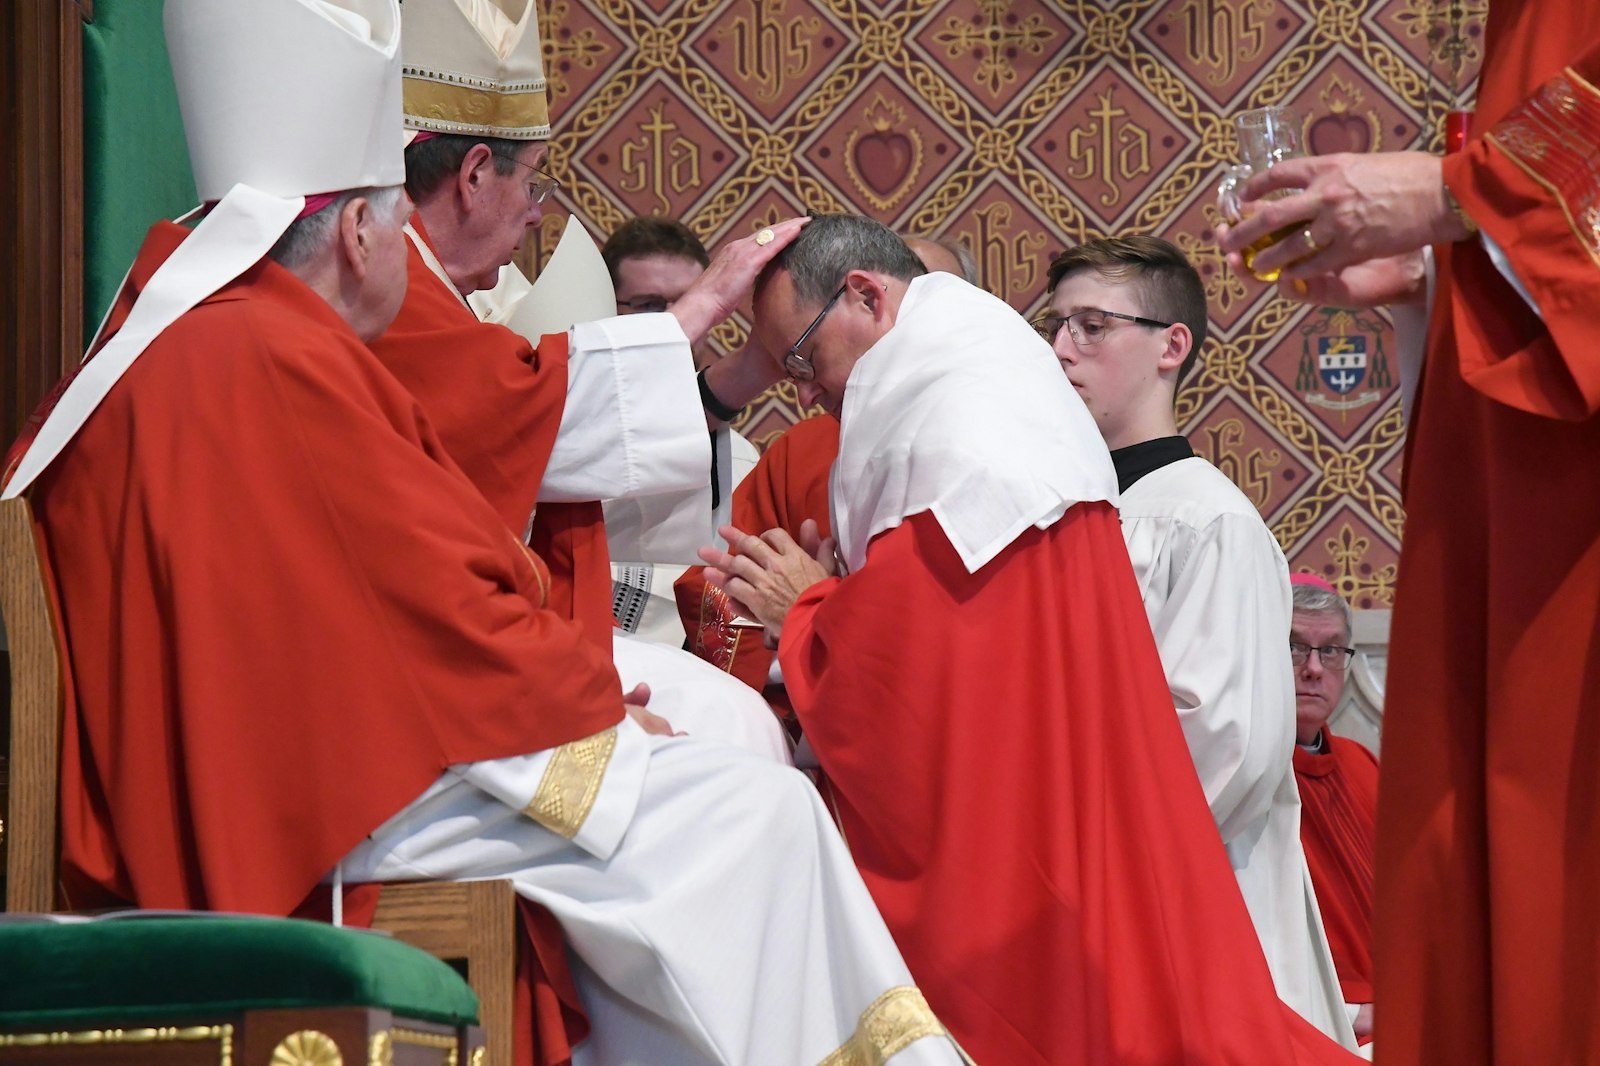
571, 782
895, 1020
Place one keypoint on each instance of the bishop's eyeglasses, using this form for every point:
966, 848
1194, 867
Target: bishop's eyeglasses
797, 366
1332, 656
1087, 327
541, 185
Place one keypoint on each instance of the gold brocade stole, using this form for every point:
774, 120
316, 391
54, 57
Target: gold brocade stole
571, 782
892, 1023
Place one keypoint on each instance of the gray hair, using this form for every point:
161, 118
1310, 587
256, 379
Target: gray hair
830, 246
960, 252
1314, 600
432, 161
306, 237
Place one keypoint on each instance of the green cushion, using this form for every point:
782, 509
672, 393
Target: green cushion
126, 970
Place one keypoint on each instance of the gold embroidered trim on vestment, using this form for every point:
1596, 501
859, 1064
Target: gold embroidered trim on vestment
463, 109
894, 1021
539, 573
1554, 138
571, 782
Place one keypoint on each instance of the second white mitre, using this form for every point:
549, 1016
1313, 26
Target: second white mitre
470, 68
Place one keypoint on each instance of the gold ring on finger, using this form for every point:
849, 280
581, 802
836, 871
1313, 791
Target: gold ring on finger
766, 236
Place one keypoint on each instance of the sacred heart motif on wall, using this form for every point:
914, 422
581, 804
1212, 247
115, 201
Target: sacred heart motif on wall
1346, 119
883, 156
1344, 132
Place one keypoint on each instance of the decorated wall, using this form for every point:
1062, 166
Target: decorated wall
1022, 127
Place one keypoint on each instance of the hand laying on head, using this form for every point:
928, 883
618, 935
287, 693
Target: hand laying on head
1349, 210
717, 292
764, 575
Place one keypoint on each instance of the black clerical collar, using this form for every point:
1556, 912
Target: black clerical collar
1318, 746
1146, 457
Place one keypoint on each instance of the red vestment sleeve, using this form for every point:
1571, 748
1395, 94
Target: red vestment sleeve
496, 403
1008, 773
1531, 184
494, 399
787, 486
571, 538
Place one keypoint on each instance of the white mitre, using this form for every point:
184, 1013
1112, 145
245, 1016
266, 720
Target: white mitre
281, 99
291, 97
475, 67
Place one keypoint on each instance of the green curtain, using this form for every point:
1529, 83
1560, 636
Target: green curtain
135, 161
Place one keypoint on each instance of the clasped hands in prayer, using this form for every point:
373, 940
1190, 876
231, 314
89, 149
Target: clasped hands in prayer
740, 377
765, 574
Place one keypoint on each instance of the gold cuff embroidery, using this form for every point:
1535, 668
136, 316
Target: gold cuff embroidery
1554, 138
463, 109
896, 1019
1456, 209
571, 782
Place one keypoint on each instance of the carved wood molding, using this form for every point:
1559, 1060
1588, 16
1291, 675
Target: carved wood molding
1359, 715
41, 272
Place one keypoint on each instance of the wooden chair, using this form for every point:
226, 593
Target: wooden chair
472, 924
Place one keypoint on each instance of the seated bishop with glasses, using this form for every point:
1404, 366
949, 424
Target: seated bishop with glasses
1338, 781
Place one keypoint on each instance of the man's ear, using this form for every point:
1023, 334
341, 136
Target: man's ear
472, 177
869, 290
356, 224
1179, 342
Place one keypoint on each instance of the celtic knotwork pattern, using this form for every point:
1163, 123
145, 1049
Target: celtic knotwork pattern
995, 41
979, 118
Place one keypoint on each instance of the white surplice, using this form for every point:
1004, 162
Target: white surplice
633, 429
698, 699
908, 442
632, 424
713, 911
645, 552
1216, 589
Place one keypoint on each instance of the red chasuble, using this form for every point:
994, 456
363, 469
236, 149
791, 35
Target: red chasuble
496, 403
1487, 922
1338, 818
787, 486
286, 612
1013, 785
